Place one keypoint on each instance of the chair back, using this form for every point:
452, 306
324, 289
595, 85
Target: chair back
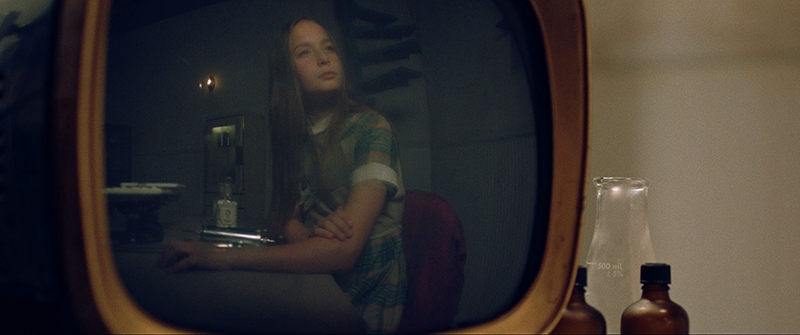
435, 252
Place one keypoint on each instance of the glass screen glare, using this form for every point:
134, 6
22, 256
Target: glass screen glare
452, 79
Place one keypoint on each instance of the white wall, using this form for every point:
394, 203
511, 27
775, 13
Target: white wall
701, 98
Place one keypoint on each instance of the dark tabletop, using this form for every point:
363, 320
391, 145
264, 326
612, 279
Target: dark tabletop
233, 301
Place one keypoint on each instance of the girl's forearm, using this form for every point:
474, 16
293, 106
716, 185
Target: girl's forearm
312, 255
318, 254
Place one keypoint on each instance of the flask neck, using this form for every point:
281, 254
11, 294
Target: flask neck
655, 292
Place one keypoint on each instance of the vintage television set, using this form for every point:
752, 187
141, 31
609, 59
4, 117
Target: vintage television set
58, 268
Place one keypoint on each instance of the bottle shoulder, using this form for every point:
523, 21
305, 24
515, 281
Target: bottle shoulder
654, 317
580, 318
650, 305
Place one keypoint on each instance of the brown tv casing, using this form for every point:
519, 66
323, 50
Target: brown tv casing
97, 296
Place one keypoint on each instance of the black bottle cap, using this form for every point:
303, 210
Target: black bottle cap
580, 280
655, 273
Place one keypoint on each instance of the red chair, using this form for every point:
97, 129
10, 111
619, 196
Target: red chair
435, 251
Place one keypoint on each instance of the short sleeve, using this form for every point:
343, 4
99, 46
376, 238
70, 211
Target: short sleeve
375, 153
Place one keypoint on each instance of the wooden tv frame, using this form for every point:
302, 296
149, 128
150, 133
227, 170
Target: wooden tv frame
99, 300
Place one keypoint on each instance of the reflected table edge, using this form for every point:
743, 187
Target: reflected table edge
233, 301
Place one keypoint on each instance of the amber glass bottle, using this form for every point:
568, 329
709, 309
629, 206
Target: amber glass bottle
655, 312
579, 317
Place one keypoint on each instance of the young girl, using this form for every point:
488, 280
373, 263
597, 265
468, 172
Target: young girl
337, 185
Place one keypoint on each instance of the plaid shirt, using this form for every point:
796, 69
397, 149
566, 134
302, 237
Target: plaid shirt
366, 150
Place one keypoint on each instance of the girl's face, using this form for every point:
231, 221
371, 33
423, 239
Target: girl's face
315, 60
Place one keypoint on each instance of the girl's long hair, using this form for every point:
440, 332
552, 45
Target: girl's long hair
289, 129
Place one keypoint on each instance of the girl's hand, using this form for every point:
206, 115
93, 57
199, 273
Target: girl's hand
336, 225
185, 255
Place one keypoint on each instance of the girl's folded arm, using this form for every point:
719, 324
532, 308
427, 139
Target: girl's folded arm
303, 255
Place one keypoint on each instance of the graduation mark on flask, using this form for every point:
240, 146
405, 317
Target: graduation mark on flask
612, 270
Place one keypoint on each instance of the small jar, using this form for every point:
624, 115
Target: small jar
225, 207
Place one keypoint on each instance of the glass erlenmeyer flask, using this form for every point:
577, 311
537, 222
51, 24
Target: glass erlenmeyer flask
620, 245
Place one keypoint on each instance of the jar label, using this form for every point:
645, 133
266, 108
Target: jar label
226, 214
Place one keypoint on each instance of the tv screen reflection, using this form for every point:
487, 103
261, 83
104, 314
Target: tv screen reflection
187, 106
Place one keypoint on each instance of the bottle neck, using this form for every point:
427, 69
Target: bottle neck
225, 191
578, 295
655, 291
